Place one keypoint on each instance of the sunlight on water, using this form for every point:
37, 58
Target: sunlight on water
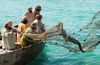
73, 13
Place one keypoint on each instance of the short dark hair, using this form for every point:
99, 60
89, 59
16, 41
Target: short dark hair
24, 21
6, 25
29, 8
38, 8
39, 17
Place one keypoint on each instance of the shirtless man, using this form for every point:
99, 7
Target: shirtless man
31, 15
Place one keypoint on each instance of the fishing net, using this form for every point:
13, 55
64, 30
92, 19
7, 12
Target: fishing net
52, 32
91, 38
93, 28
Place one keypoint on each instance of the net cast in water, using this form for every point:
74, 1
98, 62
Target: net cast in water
91, 40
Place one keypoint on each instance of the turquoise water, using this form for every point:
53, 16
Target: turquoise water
73, 13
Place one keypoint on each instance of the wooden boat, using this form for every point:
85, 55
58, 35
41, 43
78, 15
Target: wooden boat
20, 56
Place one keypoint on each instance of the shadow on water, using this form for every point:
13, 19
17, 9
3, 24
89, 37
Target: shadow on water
39, 60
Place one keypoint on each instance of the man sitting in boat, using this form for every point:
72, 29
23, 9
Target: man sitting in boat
21, 28
31, 35
31, 15
8, 37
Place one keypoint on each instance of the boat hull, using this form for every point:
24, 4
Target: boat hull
21, 56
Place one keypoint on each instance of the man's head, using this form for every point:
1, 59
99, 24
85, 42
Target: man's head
8, 25
33, 25
24, 20
38, 8
39, 17
30, 9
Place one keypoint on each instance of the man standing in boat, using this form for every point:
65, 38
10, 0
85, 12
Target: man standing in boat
21, 27
8, 37
31, 15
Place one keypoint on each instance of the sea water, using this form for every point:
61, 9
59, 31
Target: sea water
73, 13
